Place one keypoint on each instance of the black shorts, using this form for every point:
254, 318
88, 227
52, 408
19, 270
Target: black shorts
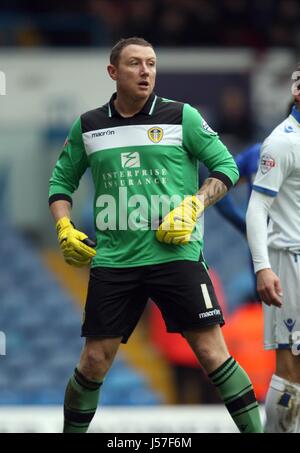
116, 298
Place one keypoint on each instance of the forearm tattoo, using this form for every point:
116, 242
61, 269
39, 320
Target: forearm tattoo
212, 190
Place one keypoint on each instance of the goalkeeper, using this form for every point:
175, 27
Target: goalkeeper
144, 152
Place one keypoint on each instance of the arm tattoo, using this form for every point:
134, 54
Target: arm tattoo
212, 190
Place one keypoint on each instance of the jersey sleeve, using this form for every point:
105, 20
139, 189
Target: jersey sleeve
204, 144
69, 167
276, 162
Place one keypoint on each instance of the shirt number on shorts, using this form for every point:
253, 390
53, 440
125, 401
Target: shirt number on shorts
206, 297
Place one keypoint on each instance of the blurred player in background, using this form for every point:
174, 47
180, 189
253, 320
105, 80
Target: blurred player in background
247, 162
138, 146
275, 248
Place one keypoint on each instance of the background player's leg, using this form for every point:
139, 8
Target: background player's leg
283, 397
82, 392
231, 380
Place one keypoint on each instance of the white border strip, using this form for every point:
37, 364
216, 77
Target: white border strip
150, 419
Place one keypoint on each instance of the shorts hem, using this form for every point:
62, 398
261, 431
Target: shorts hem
221, 323
101, 335
269, 347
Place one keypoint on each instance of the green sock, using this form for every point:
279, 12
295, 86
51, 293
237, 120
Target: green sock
237, 393
81, 400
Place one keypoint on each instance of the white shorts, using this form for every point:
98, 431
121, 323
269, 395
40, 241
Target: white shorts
282, 325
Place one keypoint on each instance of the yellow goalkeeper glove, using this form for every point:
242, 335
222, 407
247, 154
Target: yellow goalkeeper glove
178, 225
75, 246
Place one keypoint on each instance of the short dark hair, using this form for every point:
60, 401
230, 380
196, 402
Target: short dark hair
124, 42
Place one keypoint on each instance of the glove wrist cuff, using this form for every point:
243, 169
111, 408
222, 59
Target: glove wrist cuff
63, 223
198, 204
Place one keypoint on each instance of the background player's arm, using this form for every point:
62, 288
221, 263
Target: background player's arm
247, 162
232, 213
269, 287
268, 283
276, 163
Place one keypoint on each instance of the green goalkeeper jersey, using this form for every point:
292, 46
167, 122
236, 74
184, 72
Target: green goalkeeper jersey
142, 167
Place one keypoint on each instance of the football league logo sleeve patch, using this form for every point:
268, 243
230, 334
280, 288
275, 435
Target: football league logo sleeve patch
266, 163
207, 128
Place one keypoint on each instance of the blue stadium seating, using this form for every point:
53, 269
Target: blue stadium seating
42, 328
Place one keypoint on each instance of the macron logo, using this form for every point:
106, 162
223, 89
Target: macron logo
207, 314
102, 133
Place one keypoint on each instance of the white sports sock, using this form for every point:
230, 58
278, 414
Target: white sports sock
282, 406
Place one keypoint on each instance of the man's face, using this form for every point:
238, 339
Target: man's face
135, 71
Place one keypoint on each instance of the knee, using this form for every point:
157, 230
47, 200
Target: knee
290, 374
211, 358
288, 366
209, 346
94, 364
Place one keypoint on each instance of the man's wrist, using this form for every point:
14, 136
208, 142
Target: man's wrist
262, 268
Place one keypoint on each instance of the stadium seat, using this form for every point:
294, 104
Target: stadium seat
42, 327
